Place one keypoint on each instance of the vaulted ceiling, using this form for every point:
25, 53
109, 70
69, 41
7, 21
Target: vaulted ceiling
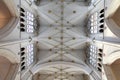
62, 38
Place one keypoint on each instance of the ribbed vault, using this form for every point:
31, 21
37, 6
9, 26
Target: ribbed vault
62, 38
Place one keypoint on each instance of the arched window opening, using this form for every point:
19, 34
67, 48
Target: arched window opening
22, 29
102, 11
22, 14
101, 26
22, 10
99, 69
102, 21
22, 25
101, 30
99, 65
99, 59
101, 50
23, 58
22, 68
102, 15
22, 49
23, 63
100, 55
22, 53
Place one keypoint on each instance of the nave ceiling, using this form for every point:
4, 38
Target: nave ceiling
62, 37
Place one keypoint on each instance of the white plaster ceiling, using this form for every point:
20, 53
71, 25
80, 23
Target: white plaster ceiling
62, 36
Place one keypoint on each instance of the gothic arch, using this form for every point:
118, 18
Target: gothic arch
8, 54
80, 67
8, 18
113, 57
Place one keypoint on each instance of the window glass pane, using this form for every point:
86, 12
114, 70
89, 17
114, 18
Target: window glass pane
30, 54
30, 23
93, 55
94, 23
92, 28
91, 31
